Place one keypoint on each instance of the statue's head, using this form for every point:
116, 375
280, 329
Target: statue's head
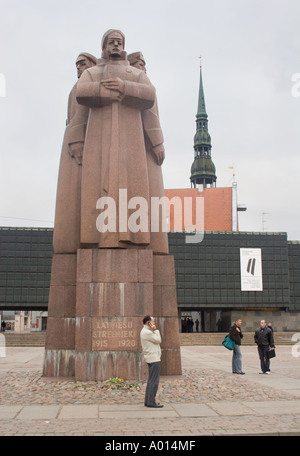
84, 61
137, 60
113, 45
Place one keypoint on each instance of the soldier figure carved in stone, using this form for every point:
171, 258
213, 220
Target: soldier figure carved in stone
155, 153
66, 237
114, 155
105, 275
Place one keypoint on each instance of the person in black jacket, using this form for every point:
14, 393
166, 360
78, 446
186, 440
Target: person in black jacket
263, 337
236, 335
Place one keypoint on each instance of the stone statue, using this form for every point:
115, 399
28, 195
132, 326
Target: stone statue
105, 277
155, 154
136, 59
66, 236
114, 158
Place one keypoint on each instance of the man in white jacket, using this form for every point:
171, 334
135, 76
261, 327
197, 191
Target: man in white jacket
151, 340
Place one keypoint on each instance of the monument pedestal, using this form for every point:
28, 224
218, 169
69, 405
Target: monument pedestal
59, 358
97, 302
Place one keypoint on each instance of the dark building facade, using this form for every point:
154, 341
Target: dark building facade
208, 276
294, 274
25, 268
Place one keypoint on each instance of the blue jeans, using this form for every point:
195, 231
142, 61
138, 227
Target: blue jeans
237, 359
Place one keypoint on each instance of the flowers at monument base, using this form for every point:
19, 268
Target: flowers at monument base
114, 383
119, 383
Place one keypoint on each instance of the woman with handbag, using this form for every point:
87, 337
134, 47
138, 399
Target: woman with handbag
236, 335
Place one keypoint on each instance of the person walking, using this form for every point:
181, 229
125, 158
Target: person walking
263, 337
3, 326
271, 328
151, 340
236, 335
192, 325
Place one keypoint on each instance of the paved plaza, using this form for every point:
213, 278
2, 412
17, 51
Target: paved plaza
207, 400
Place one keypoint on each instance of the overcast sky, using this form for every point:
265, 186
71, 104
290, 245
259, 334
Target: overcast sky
250, 53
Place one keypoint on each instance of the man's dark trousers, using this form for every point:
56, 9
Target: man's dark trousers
264, 360
152, 383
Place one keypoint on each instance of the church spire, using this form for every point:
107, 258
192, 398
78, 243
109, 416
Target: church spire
201, 101
203, 170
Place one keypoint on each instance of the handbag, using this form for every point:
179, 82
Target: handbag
228, 343
271, 353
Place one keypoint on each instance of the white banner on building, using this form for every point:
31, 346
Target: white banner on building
251, 270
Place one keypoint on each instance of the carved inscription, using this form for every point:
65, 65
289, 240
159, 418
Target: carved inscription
114, 334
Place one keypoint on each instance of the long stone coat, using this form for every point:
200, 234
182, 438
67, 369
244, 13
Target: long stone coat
66, 235
154, 137
114, 155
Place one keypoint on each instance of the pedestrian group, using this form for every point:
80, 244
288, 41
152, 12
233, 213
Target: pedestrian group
264, 339
151, 340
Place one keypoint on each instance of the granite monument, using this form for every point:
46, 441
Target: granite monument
111, 264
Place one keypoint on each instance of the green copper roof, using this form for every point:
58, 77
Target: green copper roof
202, 137
203, 166
201, 101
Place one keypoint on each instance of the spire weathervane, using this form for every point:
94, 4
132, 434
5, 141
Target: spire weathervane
200, 57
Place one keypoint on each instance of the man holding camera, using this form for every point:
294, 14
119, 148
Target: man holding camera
151, 340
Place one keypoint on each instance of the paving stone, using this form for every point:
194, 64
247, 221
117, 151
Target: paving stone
231, 408
274, 407
78, 412
38, 412
145, 414
196, 410
8, 412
